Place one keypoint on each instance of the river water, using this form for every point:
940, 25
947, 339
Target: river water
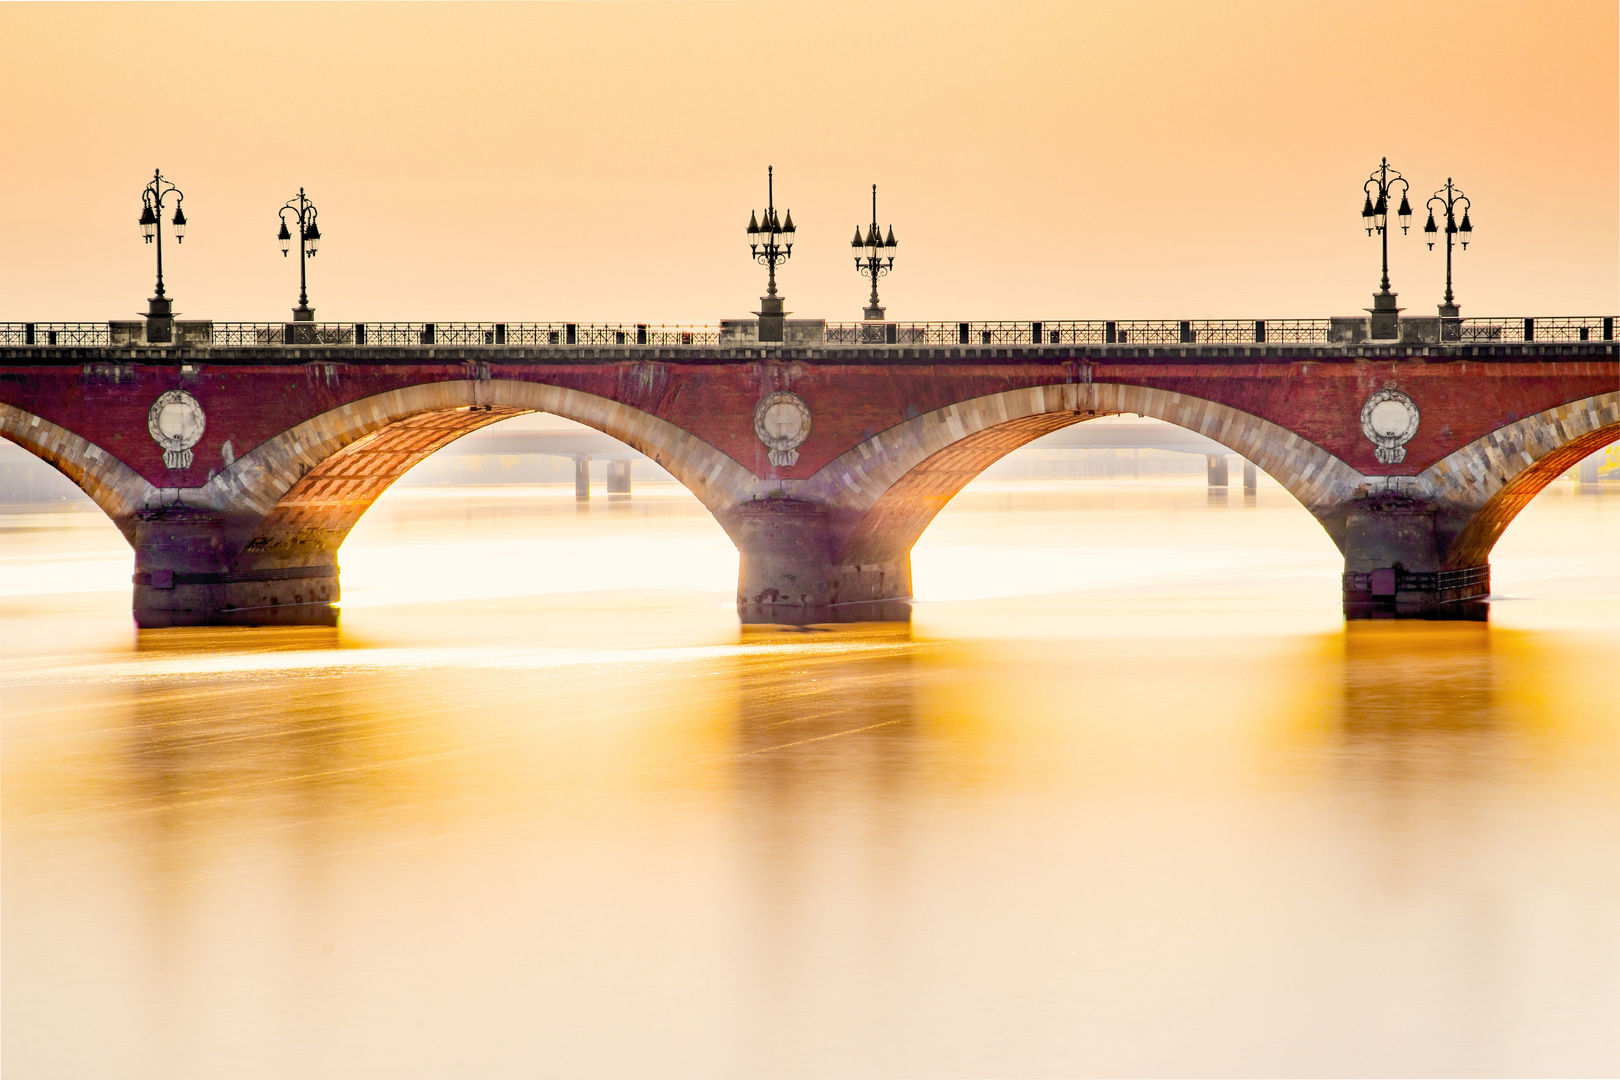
1126, 797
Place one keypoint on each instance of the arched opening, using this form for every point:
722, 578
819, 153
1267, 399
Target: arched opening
534, 509
117, 489
1561, 545
1515, 491
67, 513
886, 491
310, 484
1126, 506
54, 539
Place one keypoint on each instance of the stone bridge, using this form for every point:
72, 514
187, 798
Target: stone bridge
236, 471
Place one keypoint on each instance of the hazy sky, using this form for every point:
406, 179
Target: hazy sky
598, 161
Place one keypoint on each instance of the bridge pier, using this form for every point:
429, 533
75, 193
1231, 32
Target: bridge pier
788, 572
186, 574
1394, 566
180, 566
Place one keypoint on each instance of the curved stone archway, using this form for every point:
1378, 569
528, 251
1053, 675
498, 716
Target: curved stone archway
1478, 490
339, 462
882, 494
119, 490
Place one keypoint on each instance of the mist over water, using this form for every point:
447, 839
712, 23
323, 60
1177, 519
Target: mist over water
1128, 796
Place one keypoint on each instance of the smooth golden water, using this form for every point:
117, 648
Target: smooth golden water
1127, 797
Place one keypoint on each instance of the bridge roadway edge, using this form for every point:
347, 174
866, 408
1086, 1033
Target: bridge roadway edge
1310, 386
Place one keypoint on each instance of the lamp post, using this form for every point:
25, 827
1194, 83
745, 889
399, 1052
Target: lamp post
1375, 218
878, 258
1449, 198
160, 309
770, 242
309, 244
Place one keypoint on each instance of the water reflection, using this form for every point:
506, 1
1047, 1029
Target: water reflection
1167, 816
1422, 737
828, 752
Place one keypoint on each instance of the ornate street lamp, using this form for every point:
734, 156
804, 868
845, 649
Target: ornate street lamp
876, 259
309, 245
1449, 198
160, 309
1375, 217
770, 242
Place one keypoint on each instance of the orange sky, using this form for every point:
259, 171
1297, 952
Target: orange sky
598, 161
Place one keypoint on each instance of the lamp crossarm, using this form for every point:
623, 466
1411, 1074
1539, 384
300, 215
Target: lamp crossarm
155, 195
306, 214
1449, 201
1381, 184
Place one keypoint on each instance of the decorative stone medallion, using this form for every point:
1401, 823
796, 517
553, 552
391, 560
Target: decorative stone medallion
176, 422
1389, 420
782, 422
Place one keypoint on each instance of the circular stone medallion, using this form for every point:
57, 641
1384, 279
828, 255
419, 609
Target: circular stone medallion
782, 422
175, 423
1389, 420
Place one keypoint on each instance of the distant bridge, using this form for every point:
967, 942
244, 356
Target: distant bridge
595, 445
583, 445
237, 457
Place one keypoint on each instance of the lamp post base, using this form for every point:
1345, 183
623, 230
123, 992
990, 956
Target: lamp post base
771, 318
1386, 317
874, 313
303, 313
159, 320
1450, 322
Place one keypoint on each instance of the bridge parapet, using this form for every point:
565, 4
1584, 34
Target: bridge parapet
740, 333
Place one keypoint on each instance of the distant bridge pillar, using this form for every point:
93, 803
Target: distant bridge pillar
618, 477
582, 477
1251, 477
1217, 470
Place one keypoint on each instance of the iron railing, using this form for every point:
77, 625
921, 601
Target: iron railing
239, 335
1086, 332
67, 334
1128, 332
1512, 331
459, 334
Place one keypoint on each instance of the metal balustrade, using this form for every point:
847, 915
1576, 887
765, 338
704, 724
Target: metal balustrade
1563, 328
977, 334
1084, 332
385, 335
60, 334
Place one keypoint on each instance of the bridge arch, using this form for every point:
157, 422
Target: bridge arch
1479, 489
296, 496
119, 490
883, 494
